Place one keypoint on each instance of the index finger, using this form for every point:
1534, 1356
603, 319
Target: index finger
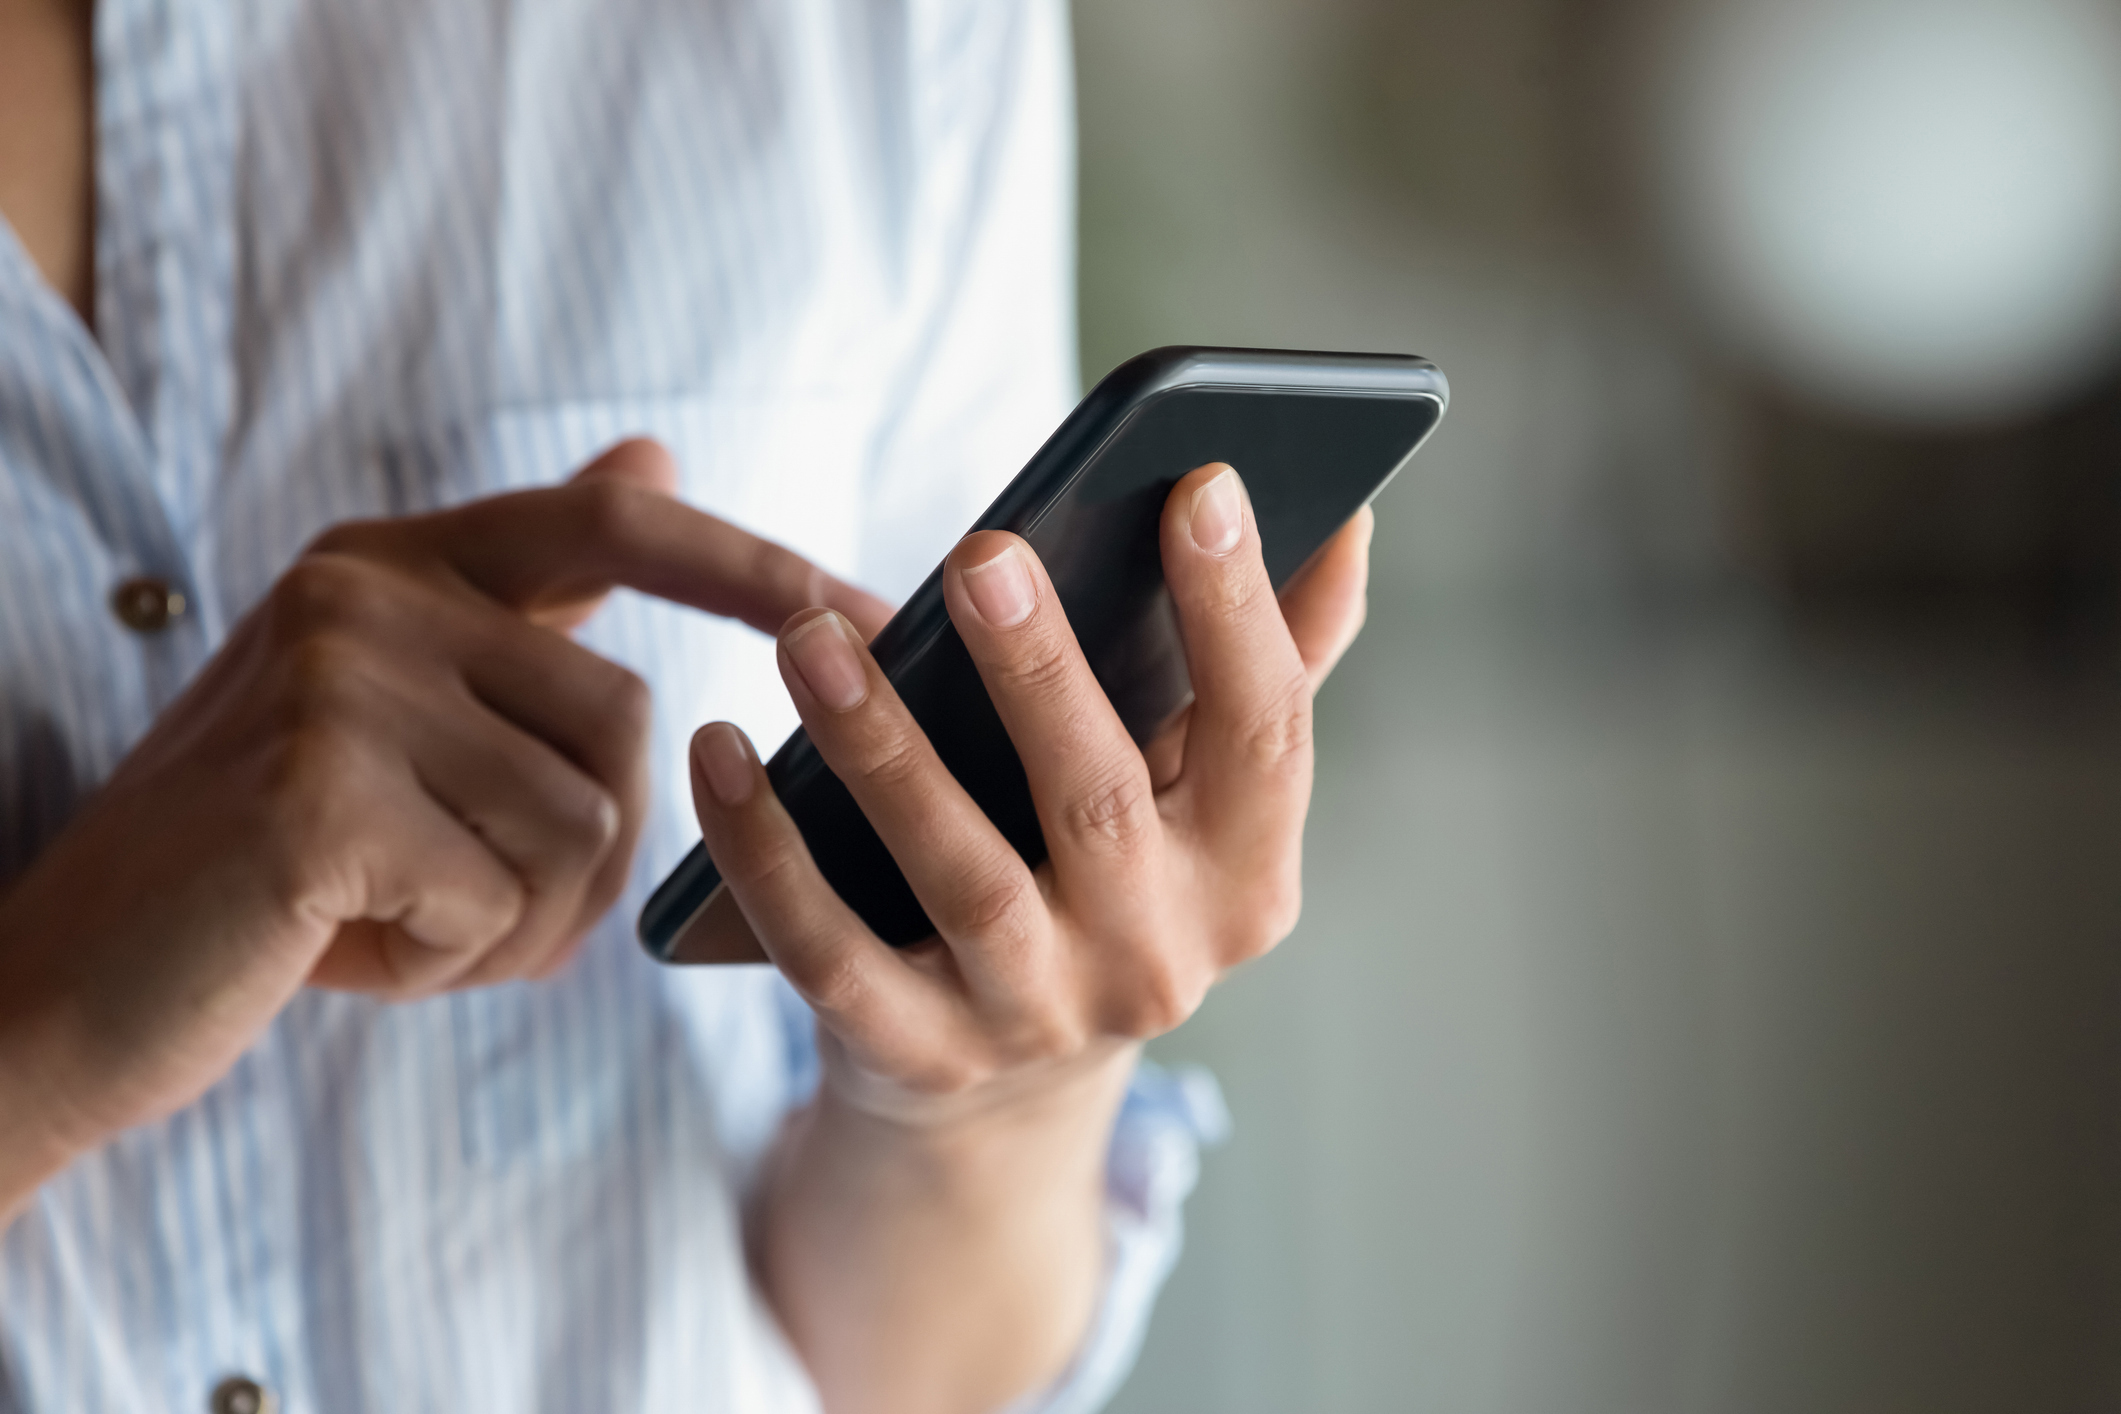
541, 550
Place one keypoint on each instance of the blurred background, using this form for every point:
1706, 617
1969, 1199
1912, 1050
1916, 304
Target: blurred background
1709, 993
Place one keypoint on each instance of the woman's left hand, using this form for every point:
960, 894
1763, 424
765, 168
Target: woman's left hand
1167, 867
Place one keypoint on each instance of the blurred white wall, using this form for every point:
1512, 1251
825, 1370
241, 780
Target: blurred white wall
1689, 1014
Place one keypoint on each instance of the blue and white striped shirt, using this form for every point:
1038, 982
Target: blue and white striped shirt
369, 259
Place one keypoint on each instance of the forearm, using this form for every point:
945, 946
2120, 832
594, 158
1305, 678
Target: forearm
34, 1140
948, 1269
944, 1268
28, 1156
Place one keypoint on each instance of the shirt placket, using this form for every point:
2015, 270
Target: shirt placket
166, 142
168, 103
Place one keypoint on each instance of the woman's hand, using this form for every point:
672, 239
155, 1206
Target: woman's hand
398, 776
1167, 868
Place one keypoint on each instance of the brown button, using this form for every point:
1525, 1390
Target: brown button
240, 1394
147, 604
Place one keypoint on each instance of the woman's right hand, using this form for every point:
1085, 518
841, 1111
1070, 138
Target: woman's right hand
398, 776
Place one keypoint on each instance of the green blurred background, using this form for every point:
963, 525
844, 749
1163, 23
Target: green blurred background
1706, 996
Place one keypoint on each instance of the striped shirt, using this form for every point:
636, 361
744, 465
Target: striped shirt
374, 258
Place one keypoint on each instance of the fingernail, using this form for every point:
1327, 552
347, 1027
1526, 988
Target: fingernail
823, 652
726, 763
1001, 589
1218, 516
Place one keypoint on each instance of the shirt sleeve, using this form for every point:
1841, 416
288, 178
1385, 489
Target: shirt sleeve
1150, 1169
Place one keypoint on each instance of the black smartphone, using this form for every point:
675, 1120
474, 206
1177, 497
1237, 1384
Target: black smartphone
1314, 435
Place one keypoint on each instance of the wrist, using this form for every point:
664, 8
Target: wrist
1059, 1097
878, 1223
1034, 1142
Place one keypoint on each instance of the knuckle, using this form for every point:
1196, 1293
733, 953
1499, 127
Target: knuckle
313, 781
501, 906
417, 968
1049, 1036
769, 866
992, 905
587, 819
321, 674
1115, 815
606, 510
629, 703
1158, 998
1042, 665
1236, 595
322, 591
1276, 905
894, 761
832, 979
1277, 738
786, 576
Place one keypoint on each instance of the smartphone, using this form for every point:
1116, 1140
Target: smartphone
1314, 435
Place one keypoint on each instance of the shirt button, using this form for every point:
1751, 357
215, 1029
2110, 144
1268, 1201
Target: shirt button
147, 604
240, 1394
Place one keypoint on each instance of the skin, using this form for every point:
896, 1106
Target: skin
47, 188
401, 776
949, 1176
398, 776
